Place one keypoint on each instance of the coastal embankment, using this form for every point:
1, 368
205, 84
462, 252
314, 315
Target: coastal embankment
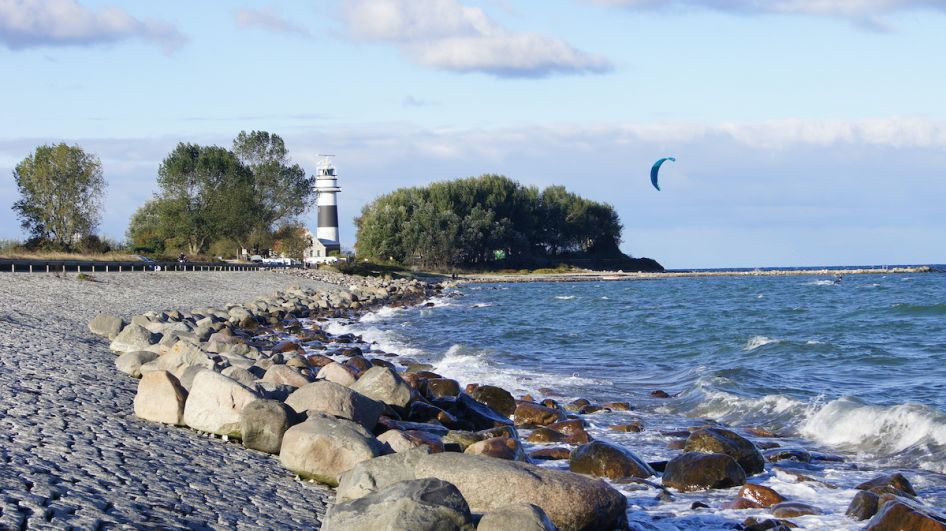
603, 276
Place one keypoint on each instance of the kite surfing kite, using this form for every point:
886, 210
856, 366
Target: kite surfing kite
656, 169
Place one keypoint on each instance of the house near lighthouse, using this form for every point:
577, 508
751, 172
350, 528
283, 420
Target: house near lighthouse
325, 244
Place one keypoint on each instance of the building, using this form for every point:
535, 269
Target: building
326, 241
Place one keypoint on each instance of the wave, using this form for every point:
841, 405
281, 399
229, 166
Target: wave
385, 340
481, 305
759, 341
564, 297
919, 309
820, 283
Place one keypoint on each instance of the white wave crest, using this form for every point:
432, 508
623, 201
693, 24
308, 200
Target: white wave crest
482, 305
819, 283
734, 409
564, 297
759, 341
380, 314
386, 340
882, 430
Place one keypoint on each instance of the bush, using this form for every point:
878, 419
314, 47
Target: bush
92, 244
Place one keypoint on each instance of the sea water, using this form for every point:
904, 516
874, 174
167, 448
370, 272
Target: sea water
855, 368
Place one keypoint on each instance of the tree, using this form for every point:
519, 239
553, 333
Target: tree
61, 189
291, 241
282, 189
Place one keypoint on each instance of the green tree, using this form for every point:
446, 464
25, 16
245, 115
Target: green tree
291, 241
282, 189
61, 192
144, 229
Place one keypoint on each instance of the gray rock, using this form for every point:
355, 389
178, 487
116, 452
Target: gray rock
273, 391
215, 402
263, 423
375, 474
160, 398
181, 356
130, 362
186, 376
337, 373
323, 447
419, 505
571, 501
108, 326
328, 397
519, 516
134, 337
286, 375
384, 385
242, 376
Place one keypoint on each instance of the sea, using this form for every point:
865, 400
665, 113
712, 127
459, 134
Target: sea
851, 367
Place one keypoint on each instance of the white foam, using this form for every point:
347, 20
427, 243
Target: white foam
385, 312
759, 341
734, 409
880, 430
386, 340
482, 305
564, 297
820, 283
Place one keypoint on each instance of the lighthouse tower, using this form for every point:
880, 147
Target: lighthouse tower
326, 186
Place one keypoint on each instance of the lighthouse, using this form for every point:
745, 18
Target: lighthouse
326, 186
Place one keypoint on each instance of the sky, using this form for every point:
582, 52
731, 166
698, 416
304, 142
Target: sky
806, 132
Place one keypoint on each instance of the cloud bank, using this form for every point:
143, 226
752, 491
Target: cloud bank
268, 20
447, 35
36, 23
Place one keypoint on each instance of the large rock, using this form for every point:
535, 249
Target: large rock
720, 441
263, 423
863, 506
238, 374
603, 459
334, 399
895, 484
496, 398
440, 387
418, 505
375, 474
108, 326
215, 402
130, 362
764, 496
897, 513
402, 441
384, 385
500, 448
697, 471
519, 516
285, 375
323, 447
134, 337
160, 398
181, 356
479, 416
532, 414
571, 501
337, 373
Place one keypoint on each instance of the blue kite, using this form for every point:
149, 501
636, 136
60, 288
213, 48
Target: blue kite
656, 168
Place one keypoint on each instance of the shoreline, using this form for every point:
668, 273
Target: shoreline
613, 276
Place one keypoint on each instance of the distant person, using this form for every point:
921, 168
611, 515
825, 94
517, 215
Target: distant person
181, 258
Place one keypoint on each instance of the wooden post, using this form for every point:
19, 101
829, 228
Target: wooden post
31, 268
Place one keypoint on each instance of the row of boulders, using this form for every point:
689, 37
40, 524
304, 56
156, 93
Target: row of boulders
406, 447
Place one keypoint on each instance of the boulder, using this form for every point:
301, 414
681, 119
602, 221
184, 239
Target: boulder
215, 402
498, 447
895, 484
720, 441
604, 459
438, 387
375, 474
181, 356
518, 516
571, 501
632, 427
130, 362
160, 398
553, 454
337, 373
545, 435
263, 423
497, 398
573, 429
760, 494
108, 326
324, 447
532, 414
798, 455
242, 376
896, 513
134, 337
741, 504
384, 385
285, 375
793, 509
419, 505
478, 415
334, 399
401, 441
697, 471
863, 506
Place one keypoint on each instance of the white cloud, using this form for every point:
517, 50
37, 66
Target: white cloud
447, 35
34, 23
864, 12
268, 20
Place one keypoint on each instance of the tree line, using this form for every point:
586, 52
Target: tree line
479, 221
210, 200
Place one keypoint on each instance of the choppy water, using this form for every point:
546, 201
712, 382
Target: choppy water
856, 368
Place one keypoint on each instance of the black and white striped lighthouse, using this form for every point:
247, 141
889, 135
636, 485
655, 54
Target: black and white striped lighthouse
326, 186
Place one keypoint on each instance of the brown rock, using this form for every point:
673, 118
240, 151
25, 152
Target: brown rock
760, 494
718, 440
677, 444
556, 453
740, 504
863, 506
793, 509
531, 414
498, 447
787, 454
573, 429
359, 363
438, 387
698, 471
895, 484
761, 432
897, 513
545, 435
318, 361
633, 427
286, 346
548, 402
577, 405
659, 393
603, 459
497, 398
617, 406
285, 375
